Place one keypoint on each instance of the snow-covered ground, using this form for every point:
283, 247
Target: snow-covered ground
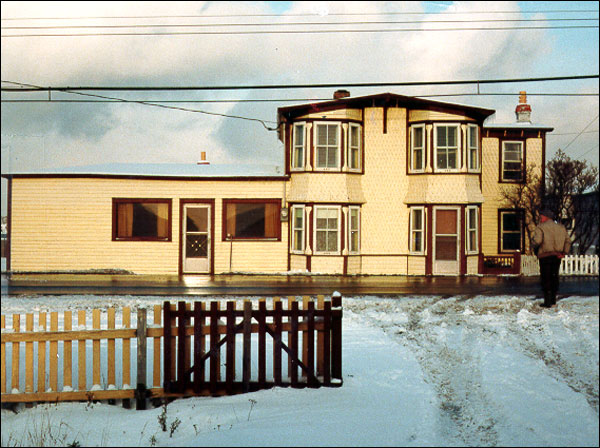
418, 371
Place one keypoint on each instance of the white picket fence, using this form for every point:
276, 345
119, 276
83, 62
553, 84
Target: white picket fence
570, 265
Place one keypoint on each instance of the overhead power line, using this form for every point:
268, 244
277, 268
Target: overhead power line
288, 100
335, 31
223, 25
31, 88
312, 14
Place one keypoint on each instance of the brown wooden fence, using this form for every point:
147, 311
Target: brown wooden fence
181, 340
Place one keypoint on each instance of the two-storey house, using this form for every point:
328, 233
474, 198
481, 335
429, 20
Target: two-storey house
380, 184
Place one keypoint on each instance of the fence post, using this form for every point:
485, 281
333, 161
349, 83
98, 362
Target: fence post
336, 336
141, 391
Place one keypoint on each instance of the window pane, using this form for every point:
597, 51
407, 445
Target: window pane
511, 222
451, 140
196, 219
445, 248
472, 218
472, 241
473, 159
417, 242
331, 157
322, 157
321, 134
417, 219
142, 220
417, 137
441, 159
253, 220
511, 241
299, 135
298, 240
452, 159
332, 135
417, 159
354, 136
321, 241
441, 136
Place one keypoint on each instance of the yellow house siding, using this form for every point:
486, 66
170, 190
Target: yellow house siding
384, 220
432, 115
66, 224
327, 265
340, 114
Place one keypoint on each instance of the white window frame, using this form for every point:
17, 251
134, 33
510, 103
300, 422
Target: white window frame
502, 231
295, 129
358, 147
522, 145
295, 229
471, 228
350, 230
437, 126
422, 231
316, 250
423, 148
316, 145
473, 146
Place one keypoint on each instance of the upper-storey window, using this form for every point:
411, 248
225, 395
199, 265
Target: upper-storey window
512, 161
473, 147
327, 146
298, 146
354, 147
417, 148
447, 150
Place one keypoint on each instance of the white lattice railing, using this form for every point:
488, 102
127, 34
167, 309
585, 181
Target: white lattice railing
570, 265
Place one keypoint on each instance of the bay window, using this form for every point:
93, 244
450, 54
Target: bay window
417, 230
298, 146
417, 148
473, 147
298, 228
327, 229
446, 147
354, 230
327, 146
354, 147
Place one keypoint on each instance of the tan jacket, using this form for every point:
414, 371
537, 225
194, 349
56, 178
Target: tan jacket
552, 239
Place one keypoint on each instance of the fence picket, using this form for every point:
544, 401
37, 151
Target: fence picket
3, 358
29, 355
262, 343
16, 353
111, 377
81, 357
68, 353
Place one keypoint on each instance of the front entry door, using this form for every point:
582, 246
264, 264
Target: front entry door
446, 241
196, 238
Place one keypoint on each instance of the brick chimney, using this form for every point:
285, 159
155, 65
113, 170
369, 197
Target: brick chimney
339, 94
523, 110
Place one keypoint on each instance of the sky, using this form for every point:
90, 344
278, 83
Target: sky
49, 135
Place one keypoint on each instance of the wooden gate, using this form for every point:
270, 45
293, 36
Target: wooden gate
196, 340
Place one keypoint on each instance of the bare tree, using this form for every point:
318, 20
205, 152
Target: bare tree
571, 192
527, 197
570, 188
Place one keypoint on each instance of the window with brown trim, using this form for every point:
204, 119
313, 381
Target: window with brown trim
251, 219
142, 219
512, 161
511, 230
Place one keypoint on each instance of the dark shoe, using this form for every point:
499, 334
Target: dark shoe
545, 305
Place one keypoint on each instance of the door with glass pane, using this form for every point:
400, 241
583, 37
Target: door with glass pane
446, 240
196, 238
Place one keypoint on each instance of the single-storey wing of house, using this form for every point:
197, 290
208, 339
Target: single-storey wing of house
380, 184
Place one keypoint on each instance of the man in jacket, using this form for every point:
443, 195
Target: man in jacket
551, 242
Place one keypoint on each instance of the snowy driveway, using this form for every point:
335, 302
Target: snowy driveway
426, 371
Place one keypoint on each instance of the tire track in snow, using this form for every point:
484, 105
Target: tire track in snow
536, 341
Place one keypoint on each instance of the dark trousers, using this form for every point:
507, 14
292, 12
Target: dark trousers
549, 267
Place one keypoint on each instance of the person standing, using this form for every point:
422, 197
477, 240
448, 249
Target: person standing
551, 243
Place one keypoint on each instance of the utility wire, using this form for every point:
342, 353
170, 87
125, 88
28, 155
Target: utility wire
146, 103
263, 32
217, 25
287, 100
582, 131
391, 13
31, 88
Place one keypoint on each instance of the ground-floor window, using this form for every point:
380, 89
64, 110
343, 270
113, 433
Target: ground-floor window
511, 230
327, 229
354, 230
141, 219
471, 228
251, 219
298, 228
417, 230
